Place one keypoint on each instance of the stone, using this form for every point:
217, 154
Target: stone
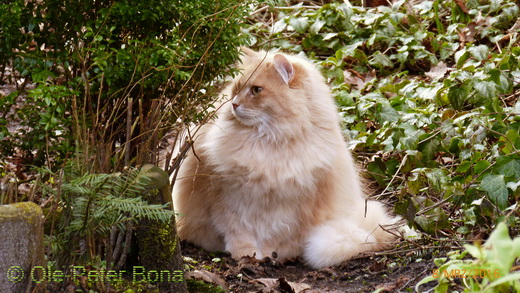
21, 246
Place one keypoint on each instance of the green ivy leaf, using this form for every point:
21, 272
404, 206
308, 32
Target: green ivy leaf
299, 24
511, 169
481, 165
501, 248
463, 167
457, 95
485, 90
279, 26
317, 25
461, 57
378, 171
496, 188
437, 179
479, 52
385, 112
381, 60
511, 141
429, 148
406, 209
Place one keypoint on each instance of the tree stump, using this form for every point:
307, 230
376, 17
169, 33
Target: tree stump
21, 246
159, 246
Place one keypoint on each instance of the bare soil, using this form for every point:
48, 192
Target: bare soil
385, 273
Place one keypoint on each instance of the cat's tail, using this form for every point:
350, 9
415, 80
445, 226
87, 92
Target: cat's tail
344, 237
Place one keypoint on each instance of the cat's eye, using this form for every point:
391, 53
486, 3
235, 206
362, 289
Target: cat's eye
255, 90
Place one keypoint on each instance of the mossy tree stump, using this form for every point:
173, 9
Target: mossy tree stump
21, 246
159, 247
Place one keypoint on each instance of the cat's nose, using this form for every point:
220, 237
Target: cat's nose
235, 106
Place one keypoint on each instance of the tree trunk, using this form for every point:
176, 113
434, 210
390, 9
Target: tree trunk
159, 247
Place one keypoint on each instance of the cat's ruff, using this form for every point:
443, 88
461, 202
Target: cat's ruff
275, 174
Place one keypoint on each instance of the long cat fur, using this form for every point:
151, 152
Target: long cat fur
275, 174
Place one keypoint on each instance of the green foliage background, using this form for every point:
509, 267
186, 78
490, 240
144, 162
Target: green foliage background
87, 61
428, 93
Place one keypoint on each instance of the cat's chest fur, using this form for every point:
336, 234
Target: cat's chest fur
262, 183
253, 165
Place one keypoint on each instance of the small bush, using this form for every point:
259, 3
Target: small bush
114, 76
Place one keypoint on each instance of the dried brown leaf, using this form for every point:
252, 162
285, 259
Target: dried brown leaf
438, 71
357, 80
272, 284
207, 277
462, 5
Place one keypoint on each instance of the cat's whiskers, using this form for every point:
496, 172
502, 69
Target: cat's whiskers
278, 136
264, 131
263, 124
268, 130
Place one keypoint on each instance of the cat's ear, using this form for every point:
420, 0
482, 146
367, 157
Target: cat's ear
284, 68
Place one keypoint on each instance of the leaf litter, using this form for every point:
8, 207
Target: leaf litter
388, 272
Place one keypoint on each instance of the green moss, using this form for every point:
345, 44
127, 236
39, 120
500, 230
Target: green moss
195, 286
161, 237
28, 210
160, 234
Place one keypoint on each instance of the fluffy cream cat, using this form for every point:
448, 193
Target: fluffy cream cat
273, 172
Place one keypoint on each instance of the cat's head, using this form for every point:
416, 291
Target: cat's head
268, 93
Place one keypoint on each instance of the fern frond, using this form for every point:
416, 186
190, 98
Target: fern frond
94, 203
132, 183
140, 209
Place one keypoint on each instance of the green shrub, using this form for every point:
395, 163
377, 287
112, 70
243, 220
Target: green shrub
115, 75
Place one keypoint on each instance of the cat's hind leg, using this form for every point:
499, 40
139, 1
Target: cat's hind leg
197, 230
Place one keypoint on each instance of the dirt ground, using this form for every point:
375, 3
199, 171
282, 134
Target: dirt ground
385, 273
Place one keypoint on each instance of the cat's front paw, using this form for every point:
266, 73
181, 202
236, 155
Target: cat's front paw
248, 250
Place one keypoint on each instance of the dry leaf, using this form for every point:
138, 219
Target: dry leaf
462, 5
354, 78
282, 284
207, 277
438, 71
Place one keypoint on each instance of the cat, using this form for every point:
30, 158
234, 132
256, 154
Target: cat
272, 175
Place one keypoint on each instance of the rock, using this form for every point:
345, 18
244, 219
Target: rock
21, 246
